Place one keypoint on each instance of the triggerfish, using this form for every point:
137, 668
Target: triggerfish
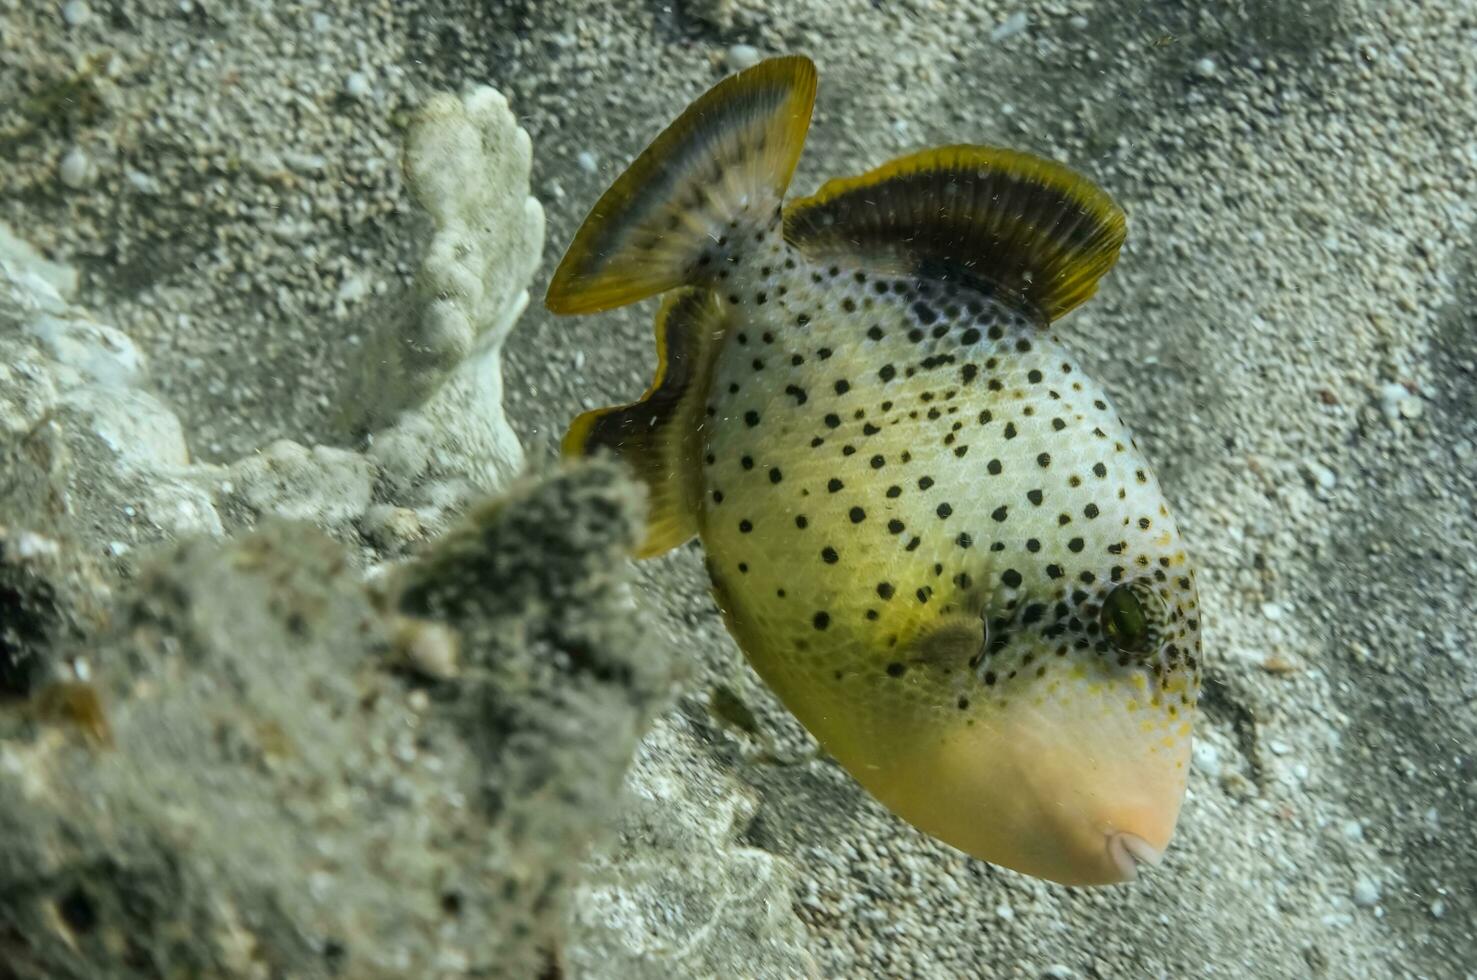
926, 527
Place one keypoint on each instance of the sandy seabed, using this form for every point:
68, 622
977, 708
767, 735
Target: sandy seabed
1290, 331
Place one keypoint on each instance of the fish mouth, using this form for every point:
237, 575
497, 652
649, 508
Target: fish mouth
1129, 852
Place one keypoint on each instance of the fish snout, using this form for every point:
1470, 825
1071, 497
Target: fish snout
1077, 793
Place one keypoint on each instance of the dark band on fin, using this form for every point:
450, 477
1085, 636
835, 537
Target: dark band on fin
722, 167
1027, 225
660, 436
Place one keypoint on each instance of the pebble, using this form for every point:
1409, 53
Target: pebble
75, 169
357, 85
1207, 758
1205, 68
1397, 402
1010, 26
142, 182
741, 56
1272, 611
353, 289
76, 13
1322, 477
1438, 909
1366, 892
587, 162
1353, 830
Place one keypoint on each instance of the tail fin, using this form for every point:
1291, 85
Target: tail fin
723, 165
660, 435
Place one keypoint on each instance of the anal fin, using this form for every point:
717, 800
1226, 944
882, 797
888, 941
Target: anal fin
659, 435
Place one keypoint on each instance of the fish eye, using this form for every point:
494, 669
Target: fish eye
1125, 621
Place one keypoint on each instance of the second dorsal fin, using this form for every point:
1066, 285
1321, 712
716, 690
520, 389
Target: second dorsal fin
1019, 222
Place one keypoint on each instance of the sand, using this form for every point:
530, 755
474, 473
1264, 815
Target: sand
1289, 330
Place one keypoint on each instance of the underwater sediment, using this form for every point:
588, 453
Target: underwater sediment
262, 302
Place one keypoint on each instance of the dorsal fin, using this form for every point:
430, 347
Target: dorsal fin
1018, 222
659, 436
721, 167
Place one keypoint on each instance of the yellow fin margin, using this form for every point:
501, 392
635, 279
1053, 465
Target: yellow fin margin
659, 435
722, 165
1020, 222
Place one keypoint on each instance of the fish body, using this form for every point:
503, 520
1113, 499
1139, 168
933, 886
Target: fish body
927, 528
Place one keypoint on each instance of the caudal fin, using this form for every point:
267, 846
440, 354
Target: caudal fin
719, 170
659, 436
1025, 224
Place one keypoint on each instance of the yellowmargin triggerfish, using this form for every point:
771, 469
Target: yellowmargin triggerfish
927, 529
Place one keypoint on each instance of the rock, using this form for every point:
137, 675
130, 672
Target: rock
1366, 893
276, 802
679, 895
741, 56
1008, 28
76, 168
20, 261
88, 450
75, 13
323, 485
357, 85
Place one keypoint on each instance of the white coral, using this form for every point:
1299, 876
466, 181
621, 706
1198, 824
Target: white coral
468, 163
86, 444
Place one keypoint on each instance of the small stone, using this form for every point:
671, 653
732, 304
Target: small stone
1279, 748
741, 56
1205, 68
1237, 786
428, 648
1396, 402
1207, 759
142, 182
357, 85
76, 13
1352, 830
1321, 476
1010, 26
1366, 892
75, 169
1077, 22
1272, 611
587, 162
1438, 909
1278, 662
353, 289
